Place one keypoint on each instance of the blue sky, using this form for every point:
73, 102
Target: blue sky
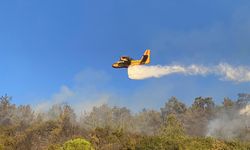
49, 47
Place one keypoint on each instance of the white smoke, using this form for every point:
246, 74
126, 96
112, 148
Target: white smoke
230, 124
238, 74
245, 111
228, 72
79, 100
85, 93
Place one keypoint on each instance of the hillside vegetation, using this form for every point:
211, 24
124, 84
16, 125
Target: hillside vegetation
202, 125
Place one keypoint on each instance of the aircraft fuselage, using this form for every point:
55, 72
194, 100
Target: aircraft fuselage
126, 61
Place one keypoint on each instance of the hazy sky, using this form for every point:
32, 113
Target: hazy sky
62, 51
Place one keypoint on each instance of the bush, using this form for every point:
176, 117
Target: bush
77, 144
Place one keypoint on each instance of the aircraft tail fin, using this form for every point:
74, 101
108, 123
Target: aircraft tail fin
146, 57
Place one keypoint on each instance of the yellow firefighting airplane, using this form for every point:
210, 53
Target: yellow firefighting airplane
126, 61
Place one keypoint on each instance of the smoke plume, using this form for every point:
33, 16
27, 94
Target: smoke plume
226, 71
231, 124
245, 111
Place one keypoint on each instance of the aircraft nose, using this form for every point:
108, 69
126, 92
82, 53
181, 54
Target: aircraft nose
115, 65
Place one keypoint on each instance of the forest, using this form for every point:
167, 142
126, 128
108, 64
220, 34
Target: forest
201, 125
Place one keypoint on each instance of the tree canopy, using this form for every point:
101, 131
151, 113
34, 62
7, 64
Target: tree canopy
202, 125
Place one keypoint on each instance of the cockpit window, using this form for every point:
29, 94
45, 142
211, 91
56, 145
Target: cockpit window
124, 58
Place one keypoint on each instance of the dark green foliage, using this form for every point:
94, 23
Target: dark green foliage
243, 99
203, 104
173, 106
